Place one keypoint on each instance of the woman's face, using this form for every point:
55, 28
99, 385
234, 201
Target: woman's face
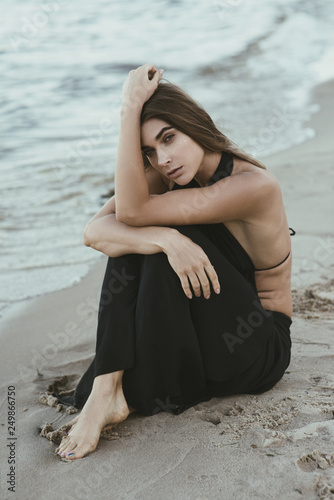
174, 154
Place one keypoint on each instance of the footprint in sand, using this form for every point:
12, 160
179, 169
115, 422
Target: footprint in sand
313, 430
316, 302
315, 460
211, 417
322, 382
323, 488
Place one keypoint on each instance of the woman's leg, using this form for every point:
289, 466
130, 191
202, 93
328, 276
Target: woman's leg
105, 406
168, 365
100, 391
115, 342
186, 348
173, 348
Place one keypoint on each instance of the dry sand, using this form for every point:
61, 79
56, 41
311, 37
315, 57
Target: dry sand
279, 444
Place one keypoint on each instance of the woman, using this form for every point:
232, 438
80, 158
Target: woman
196, 300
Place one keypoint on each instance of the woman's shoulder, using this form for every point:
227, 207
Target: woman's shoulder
259, 175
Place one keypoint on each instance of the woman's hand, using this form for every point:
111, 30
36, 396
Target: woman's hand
192, 265
139, 85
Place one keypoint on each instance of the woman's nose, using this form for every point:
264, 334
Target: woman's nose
163, 159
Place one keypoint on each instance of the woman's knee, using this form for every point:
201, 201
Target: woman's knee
156, 269
120, 273
156, 264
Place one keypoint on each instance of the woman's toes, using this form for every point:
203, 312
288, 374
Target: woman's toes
63, 443
60, 450
63, 453
66, 447
70, 452
81, 451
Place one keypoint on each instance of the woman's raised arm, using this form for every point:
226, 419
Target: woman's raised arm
237, 197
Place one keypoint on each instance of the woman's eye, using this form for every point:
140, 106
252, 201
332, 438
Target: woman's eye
167, 138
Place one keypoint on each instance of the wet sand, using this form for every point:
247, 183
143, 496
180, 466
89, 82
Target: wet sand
278, 444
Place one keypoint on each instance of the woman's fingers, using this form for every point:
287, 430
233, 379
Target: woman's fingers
210, 271
140, 84
200, 282
195, 284
190, 284
185, 285
204, 283
155, 75
193, 267
151, 74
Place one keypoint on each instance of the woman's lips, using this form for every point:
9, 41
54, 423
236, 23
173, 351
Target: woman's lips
175, 173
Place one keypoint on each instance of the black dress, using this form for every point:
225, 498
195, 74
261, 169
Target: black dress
177, 352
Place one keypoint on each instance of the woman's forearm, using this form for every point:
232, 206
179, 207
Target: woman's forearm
114, 238
132, 191
130, 181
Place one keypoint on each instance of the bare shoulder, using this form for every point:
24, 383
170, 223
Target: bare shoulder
259, 176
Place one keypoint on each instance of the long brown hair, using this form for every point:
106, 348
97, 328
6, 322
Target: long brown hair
173, 105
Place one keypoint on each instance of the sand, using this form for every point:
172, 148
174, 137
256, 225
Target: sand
278, 444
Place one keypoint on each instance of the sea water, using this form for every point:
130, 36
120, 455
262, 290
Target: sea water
251, 64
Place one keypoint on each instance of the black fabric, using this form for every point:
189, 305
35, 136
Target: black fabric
177, 351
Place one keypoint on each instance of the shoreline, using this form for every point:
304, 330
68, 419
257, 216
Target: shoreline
287, 431
308, 205
11, 309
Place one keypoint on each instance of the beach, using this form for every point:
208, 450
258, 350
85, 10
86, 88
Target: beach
277, 444
251, 65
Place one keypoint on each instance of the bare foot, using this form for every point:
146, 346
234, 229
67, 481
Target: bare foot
102, 410
108, 426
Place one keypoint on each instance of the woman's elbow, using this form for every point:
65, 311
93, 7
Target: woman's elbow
128, 218
87, 235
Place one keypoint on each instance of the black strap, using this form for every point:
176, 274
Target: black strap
293, 231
